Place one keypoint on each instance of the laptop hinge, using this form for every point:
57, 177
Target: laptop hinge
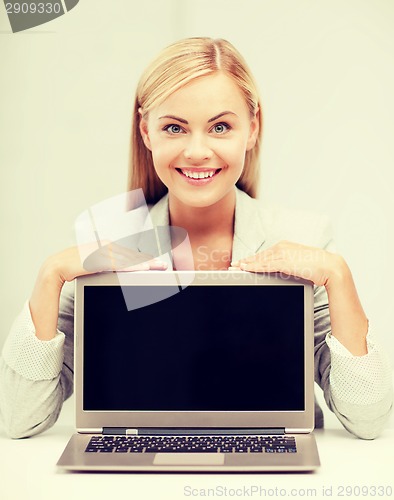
206, 431
119, 430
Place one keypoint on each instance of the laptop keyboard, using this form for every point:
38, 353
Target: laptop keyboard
191, 444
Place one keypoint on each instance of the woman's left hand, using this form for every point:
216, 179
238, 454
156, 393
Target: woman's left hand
349, 323
310, 263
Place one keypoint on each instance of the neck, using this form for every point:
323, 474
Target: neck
204, 221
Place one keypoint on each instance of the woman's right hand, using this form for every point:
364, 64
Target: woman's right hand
67, 265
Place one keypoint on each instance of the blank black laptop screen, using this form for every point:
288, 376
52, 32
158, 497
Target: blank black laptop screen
206, 348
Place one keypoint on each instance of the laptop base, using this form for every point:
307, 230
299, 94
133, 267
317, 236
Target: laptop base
74, 458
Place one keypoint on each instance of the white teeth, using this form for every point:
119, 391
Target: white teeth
198, 175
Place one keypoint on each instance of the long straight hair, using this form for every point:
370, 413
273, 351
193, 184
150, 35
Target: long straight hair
177, 65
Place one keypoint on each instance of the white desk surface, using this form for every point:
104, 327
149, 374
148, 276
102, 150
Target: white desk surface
28, 471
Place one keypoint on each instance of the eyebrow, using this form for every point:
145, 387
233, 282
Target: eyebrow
182, 120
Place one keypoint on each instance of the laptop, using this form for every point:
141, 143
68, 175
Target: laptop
193, 371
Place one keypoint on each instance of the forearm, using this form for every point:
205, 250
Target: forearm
349, 323
358, 389
27, 407
44, 303
34, 380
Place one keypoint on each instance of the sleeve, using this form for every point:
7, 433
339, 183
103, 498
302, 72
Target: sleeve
358, 389
36, 375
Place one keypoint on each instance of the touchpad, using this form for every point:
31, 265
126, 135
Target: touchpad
189, 459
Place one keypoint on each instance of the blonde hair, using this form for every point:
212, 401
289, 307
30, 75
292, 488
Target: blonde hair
176, 66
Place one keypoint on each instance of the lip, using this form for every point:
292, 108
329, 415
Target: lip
199, 182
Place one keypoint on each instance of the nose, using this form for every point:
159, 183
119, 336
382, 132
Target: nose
197, 149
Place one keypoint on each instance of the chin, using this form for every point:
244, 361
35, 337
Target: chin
202, 200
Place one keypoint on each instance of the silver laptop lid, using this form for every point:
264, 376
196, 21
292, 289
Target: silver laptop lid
194, 349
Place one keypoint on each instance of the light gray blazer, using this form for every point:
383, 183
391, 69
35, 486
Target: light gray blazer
28, 407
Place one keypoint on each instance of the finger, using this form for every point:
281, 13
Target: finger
117, 258
271, 254
258, 267
157, 265
146, 266
128, 253
137, 267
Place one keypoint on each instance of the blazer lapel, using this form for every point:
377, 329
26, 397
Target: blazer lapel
159, 212
155, 239
249, 234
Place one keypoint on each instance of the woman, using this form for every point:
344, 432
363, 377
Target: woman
196, 135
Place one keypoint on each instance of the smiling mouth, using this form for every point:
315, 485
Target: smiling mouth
194, 174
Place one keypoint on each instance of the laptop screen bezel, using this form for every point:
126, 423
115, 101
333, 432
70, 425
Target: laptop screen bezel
296, 421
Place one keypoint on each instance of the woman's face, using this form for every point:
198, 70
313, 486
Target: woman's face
198, 137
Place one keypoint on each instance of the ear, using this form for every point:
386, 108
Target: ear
144, 130
254, 131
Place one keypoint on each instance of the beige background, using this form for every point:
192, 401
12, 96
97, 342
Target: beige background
326, 74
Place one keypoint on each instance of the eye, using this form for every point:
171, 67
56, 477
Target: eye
221, 128
173, 128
